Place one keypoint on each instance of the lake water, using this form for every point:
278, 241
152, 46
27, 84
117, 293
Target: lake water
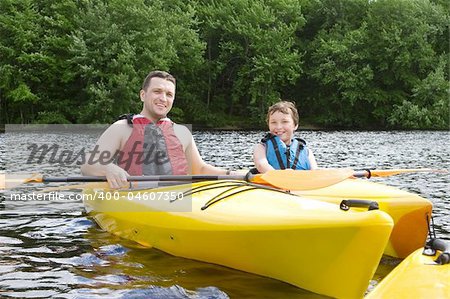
52, 249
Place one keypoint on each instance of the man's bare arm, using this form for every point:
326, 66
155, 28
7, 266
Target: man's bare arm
100, 161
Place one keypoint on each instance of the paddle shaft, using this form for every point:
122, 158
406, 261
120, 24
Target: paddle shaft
368, 173
283, 179
143, 178
248, 177
163, 178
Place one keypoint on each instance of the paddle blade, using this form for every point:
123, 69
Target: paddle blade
9, 181
389, 172
303, 180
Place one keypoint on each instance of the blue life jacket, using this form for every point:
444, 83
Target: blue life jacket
281, 156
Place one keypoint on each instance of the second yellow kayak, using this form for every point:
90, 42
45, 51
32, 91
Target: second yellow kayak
410, 212
418, 276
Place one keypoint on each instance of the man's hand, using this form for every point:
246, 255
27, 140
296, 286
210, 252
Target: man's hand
116, 176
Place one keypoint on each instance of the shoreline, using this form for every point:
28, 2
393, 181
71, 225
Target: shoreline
302, 127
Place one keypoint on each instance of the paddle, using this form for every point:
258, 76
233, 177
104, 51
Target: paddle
283, 179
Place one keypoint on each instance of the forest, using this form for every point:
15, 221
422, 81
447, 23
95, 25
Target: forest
348, 64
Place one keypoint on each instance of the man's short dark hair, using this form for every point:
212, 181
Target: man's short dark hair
157, 74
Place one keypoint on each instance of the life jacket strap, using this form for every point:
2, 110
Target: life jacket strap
301, 145
128, 117
278, 154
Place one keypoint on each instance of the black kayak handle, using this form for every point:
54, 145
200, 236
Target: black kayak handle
441, 245
346, 204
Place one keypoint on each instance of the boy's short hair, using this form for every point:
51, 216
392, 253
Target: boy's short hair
285, 107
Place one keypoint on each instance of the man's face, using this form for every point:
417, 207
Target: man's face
158, 98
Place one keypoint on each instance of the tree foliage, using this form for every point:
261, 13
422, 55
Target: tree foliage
346, 63
118, 43
251, 54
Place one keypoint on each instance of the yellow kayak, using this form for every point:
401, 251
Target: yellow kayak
308, 243
410, 212
418, 276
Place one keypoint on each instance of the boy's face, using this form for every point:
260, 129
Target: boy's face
282, 125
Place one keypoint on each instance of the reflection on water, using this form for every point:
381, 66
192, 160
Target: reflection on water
52, 249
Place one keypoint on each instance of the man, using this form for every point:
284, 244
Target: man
149, 143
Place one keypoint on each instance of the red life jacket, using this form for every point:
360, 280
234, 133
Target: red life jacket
153, 149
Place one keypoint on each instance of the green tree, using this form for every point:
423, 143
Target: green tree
19, 51
405, 38
429, 105
336, 86
118, 43
369, 63
341, 67
34, 68
58, 20
250, 52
